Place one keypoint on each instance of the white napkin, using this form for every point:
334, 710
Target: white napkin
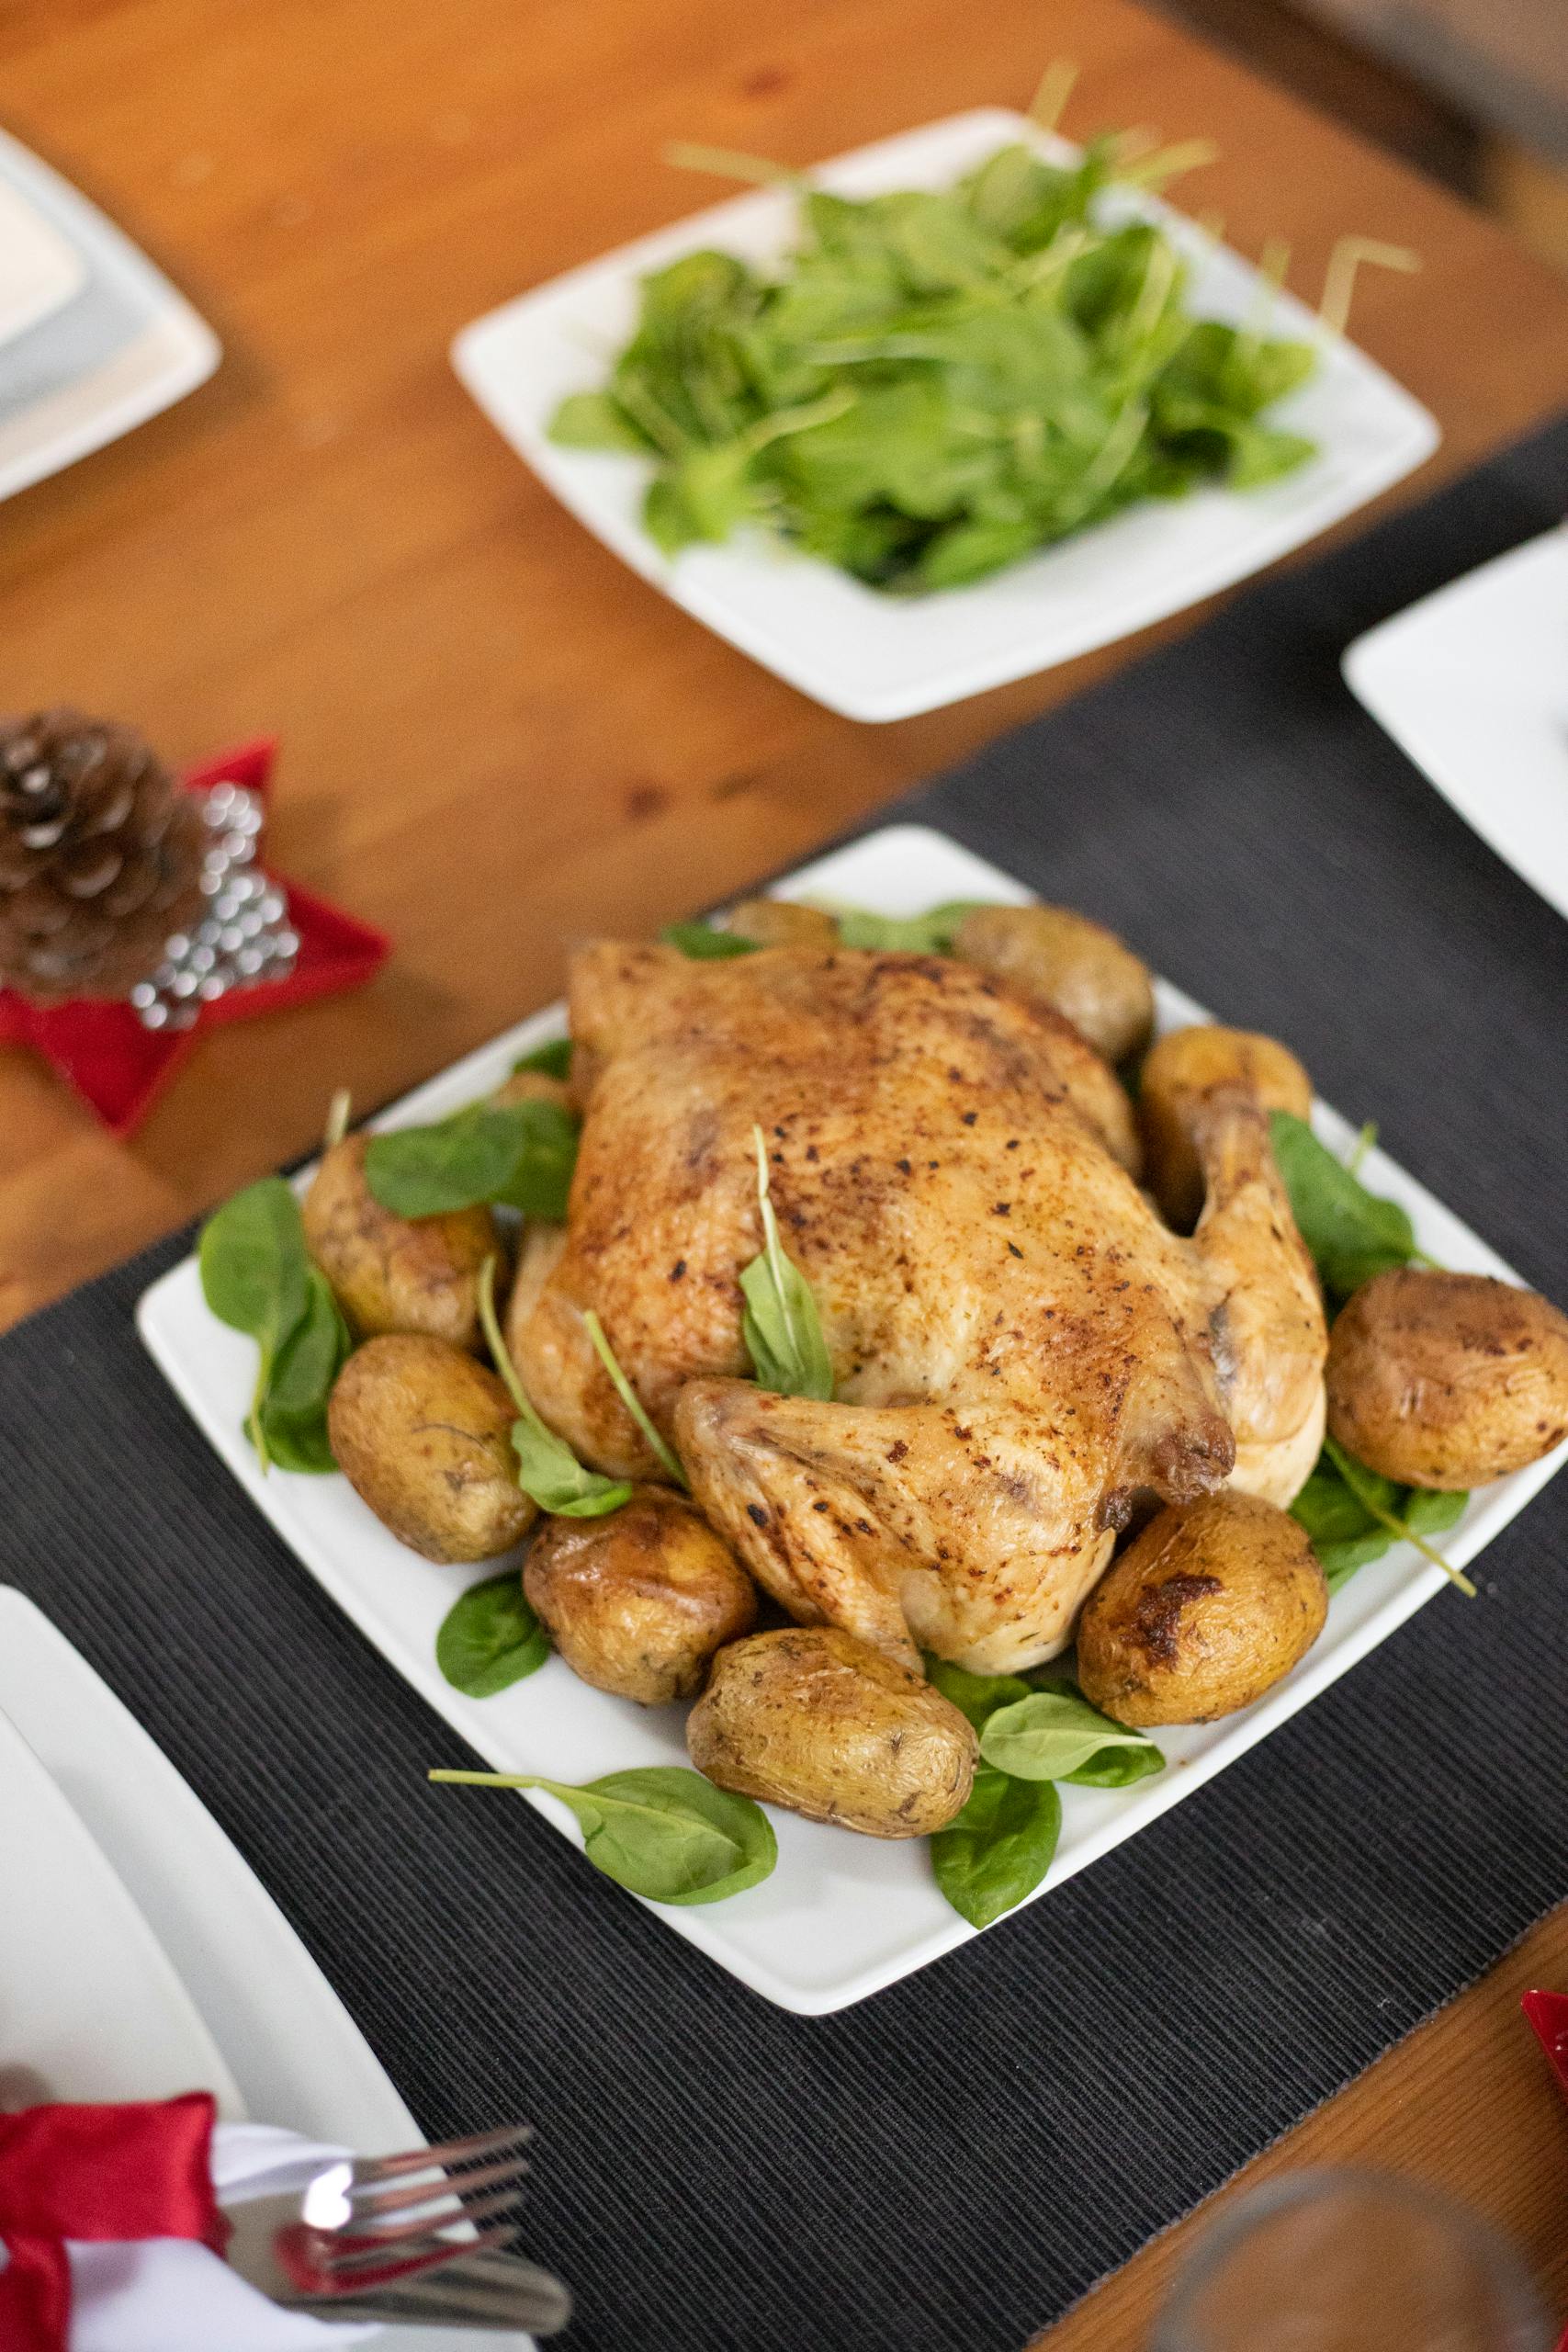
169, 2295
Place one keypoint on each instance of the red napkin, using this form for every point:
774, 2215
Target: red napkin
120, 1067
95, 2173
1547, 2013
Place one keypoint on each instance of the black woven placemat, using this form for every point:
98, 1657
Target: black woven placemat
949, 2165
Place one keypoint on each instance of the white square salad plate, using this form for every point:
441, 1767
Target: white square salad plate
878, 657
272, 2037
1473, 685
39, 269
118, 345
842, 1915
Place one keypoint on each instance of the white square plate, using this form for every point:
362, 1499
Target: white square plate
39, 269
877, 657
1473, 685
122, 345
300, 2059
842, 1915
90, 2007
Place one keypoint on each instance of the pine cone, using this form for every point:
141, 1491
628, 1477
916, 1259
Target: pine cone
100, 857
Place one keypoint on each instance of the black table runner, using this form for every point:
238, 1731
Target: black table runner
952, 2163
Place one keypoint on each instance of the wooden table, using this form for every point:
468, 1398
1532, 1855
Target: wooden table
494, 736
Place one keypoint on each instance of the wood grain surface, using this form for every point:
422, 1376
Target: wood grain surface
495, 737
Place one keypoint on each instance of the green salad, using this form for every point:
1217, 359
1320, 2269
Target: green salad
937, 382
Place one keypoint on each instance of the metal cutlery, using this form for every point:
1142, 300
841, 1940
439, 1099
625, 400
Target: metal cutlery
372, 2238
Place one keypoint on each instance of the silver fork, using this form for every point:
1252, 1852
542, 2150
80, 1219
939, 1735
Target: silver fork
370, 2238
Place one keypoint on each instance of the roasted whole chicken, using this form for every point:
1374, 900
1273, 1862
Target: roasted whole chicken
1024, 1352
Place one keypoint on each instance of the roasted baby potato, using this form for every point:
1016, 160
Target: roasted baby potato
813, 1719
395, 1273
1180, 1070
637, 1602
1203, 1612
1447, 1380
1052, 956
784, 923
422, 1434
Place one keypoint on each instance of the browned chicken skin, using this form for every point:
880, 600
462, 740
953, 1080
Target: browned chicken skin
1019, 1344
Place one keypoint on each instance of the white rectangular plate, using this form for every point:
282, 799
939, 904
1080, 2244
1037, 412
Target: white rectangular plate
842, 1915
299, 2057
877, 657
123, 347
1473, 685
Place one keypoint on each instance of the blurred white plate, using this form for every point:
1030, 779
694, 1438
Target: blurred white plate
39, 269
297, 2056
90, 2007
878, 657
118, 349
842, 1915
1473, 685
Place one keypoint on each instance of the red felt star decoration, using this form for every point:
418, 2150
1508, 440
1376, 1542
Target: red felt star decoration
118, 1065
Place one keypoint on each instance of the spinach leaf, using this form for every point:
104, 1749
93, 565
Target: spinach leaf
1056, 1734
255, 1276
597, 420
781, 1327
293, 1413
490, 1638
702, 942
927, 934
554, 1058
1113, 1757
1117, 1767
454, 1164
1367, 1489
253, 1263
666, 1455
663, 1831
1352, 1233
1349, 1524
999, 1848
548, 1470
521, 1154
978, 1696
937, 381
540, 1181
1341, 1531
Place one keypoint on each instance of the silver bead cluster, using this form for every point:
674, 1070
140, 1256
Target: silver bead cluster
245, 935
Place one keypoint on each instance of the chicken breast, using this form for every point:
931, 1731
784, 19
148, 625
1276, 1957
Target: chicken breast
1020, 1347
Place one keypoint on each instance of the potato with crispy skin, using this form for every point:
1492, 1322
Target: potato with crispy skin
1181, 1071
639, 1602
782, 922
1447, 1380
395, 1273
1051, 956
1201, 1614
815, 1720
423, 1435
